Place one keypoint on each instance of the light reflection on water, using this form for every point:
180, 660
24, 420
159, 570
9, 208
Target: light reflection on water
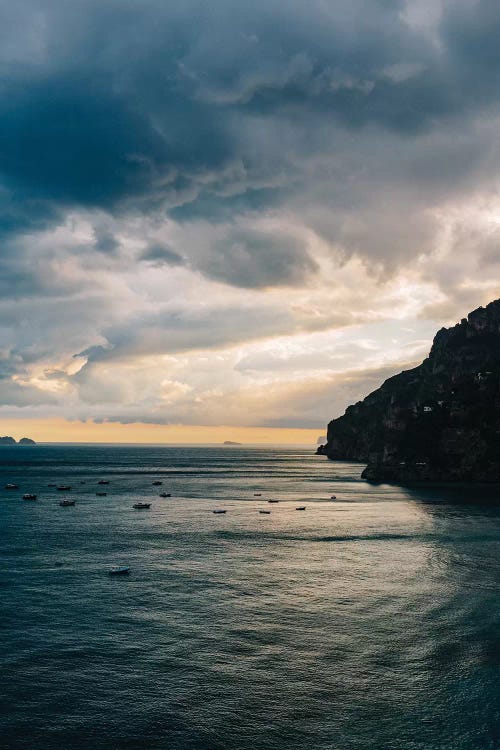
368, 622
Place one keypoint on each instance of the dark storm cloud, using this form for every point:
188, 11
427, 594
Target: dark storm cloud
126, 106
251, 143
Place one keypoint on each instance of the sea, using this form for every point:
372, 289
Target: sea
371, 621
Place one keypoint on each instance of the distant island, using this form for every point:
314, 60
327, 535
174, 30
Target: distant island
230, 442
7, 440
439, 421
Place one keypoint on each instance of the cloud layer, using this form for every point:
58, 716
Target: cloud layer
243, 214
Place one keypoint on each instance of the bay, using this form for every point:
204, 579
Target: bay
370, 621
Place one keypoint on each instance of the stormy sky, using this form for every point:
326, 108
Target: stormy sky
242, 213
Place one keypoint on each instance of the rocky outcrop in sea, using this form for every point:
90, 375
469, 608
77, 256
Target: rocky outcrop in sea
439, 421
8, 440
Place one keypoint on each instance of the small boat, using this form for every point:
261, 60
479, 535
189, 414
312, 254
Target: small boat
257, 494
165, 494
121, 571
103, 481
66, 503
30, 496
301, 507
101, 494
273, 501
333, 497
10, 486
219, 511
265, 512
64, 488
157, 482
142, 506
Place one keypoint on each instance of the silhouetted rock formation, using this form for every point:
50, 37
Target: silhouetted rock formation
437, 422
7, 440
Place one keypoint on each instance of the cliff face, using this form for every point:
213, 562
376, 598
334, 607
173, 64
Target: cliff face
437, 422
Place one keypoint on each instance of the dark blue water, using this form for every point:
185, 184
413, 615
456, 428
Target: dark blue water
369, 622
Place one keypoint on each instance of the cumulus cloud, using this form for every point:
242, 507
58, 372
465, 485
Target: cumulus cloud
160, 255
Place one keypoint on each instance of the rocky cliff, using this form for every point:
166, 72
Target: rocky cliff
437, 422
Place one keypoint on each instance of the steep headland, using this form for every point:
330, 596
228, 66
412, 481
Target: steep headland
439, 421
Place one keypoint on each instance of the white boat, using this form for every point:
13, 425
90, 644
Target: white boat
30, 496
10, 486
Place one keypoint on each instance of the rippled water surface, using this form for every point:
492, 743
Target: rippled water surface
371, 621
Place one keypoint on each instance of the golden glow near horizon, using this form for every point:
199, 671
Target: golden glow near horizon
64, 431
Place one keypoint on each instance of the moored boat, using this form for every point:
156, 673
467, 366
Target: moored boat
66, 503
101, 494
142, 506
103, 481
64, 488
30, 496
157, 482
301, 507
217, 512
265, 512
165, 494
120, 571
273, 501
11, 486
